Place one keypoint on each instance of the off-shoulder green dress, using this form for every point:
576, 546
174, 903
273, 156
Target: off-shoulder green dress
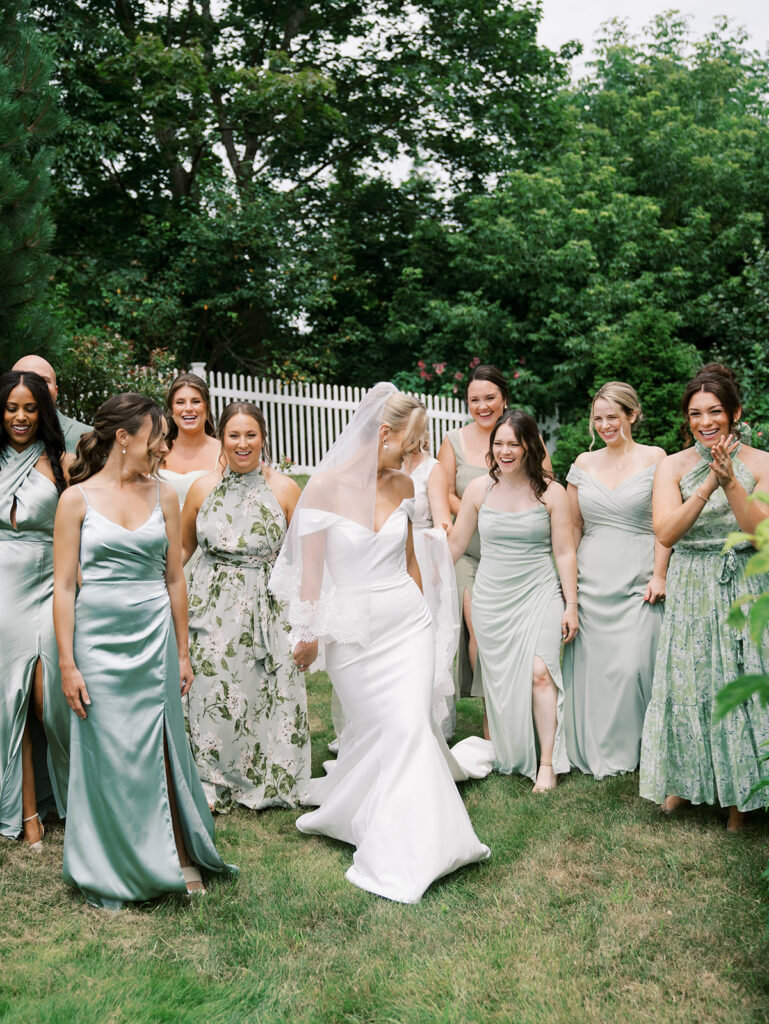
683, 751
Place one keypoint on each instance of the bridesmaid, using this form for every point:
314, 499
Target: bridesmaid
431, 493
33, 470
248, 714
463, 457
193, 449
607, 671
526, 533
700, 497
138, 825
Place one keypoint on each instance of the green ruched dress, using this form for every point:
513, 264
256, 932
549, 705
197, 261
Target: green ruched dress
26, 636
248, 708
119, 843
683, 751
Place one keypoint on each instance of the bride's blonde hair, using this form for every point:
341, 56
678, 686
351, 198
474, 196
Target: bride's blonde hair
404, 412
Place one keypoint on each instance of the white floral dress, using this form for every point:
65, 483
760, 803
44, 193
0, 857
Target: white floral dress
247, 707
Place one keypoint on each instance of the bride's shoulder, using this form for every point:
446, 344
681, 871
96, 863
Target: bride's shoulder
401, 484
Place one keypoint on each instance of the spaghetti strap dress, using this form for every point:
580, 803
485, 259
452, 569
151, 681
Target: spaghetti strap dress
608, 667
26, 636
119, 843
517, 611
683, 750
467, 683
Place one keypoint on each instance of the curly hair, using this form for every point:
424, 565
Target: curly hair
527, 432
128, 410
48, 426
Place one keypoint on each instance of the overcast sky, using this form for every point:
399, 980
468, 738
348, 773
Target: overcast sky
570, 19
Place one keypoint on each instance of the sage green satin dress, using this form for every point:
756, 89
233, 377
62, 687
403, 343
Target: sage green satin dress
119, 842
26, 636
683, 751
517, 612
608, 667
466, 682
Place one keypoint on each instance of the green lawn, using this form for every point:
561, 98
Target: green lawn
592, 908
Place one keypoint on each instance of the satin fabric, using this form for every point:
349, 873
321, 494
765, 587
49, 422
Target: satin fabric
466, 682
26, 635
390, 793
683, 750
608, 667
517, 611
119, 842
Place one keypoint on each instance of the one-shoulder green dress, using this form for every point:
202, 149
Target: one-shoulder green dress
26, 636
517, 612
608, 667
119, 843
683, 751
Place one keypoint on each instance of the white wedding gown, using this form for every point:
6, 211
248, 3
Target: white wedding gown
391, 792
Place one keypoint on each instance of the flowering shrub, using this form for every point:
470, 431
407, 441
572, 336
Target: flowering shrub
100, 363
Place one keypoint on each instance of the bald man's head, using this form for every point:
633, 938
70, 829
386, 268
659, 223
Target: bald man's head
40, 366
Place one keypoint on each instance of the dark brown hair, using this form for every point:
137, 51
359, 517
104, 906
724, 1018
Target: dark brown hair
716, 379
190, 380
246, 409
527, 433
48, 427
493, 376
128, 411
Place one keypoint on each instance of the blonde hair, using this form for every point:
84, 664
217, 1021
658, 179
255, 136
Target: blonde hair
621, 394
404, 412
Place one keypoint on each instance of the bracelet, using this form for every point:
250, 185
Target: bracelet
574, 604
701, 496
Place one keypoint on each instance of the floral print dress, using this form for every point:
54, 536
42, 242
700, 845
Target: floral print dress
247, 708
683, 750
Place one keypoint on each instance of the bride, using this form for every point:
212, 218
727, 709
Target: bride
349, 576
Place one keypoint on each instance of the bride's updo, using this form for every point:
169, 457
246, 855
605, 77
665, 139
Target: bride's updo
407, 413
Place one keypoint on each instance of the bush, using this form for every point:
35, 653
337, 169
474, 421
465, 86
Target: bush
97, 364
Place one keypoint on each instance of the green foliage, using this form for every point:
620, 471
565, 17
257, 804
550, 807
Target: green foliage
28, 119
752, 611
99, 364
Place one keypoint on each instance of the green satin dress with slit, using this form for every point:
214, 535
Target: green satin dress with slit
26, 636
119, 843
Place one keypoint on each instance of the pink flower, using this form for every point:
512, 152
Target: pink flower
423, 374
439, 368
516, 375
421, 364
455, 389
475, 361
459, 376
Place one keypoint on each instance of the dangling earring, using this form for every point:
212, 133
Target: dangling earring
124, 450
385, 444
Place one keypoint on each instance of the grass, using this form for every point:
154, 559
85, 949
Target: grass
591, 909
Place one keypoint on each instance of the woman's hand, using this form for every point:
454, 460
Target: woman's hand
75, 693
723, 467
305, 653
655, 590
186, 677
569, 623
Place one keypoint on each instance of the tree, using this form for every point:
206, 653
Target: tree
225, 165
28, 117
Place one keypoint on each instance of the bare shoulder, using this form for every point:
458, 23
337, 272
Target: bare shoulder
167, 495
756, 460
402, 484
652, 454
674, 466
437, 473
554, 496
584, 460
476, 489
72, 502
283, 486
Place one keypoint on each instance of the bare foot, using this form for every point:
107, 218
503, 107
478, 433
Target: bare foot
737, 820
546, 779
672, 803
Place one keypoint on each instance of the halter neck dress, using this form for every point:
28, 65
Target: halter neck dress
119, 843
608, 667
683, 750
26, 635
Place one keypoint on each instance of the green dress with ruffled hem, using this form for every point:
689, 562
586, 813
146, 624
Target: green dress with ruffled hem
684, 751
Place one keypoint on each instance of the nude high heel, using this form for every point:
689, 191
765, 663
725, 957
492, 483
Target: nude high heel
37, 846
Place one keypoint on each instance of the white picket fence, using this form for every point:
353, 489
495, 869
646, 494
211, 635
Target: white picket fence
304, 419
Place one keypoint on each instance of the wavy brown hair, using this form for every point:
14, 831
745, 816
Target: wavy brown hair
527, 433
491, 374
189, 380
128, 411
716, 379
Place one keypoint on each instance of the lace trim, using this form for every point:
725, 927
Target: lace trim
335, 617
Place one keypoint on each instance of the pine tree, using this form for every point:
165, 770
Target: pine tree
28, 118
